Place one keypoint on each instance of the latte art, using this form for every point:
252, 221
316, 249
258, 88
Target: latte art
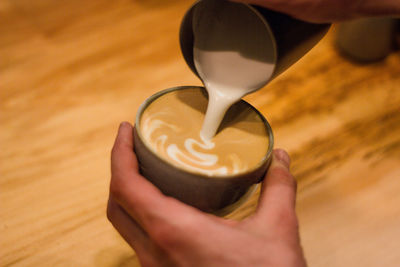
195, 155
171, 126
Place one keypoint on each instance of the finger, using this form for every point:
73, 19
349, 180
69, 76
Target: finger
127, 186
278, 192
272, 4
136, 195
312, 11
148, 253
133, 234
122, 156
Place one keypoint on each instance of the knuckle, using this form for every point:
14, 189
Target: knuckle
114, 150
171, 233
287, 218
110, 213
284, 176
164, 235
116, 189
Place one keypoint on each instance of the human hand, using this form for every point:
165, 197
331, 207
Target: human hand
165, 232
330, 10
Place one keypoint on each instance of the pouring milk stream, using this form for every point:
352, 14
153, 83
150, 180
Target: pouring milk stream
233, 57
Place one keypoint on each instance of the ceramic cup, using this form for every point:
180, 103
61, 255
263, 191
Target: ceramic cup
215, 194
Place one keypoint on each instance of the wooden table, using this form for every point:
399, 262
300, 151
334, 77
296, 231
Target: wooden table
70, 71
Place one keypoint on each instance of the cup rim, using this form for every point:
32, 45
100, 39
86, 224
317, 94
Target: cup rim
153, 97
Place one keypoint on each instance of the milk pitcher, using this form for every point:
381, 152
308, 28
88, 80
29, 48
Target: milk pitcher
290, 38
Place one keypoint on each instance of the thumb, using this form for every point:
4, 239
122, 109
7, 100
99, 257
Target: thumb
278, 192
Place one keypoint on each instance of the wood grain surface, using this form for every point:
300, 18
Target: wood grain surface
71, 70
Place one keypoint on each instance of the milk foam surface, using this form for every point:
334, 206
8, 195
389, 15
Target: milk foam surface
171, 128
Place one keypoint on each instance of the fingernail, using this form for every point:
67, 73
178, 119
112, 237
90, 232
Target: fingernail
123, 124
282, 156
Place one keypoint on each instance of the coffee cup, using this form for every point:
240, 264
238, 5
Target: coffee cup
187, 169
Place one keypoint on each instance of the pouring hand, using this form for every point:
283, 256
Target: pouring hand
330, 10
